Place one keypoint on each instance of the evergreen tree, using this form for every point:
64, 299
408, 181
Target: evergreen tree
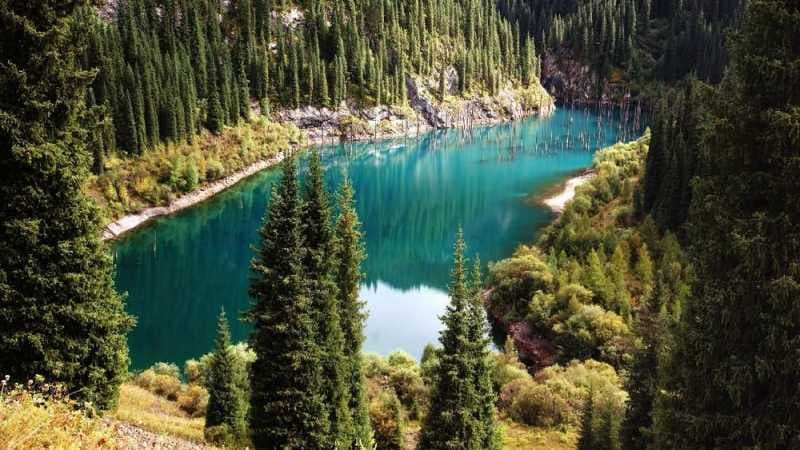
287, 408
488, 435
349, 255
215, 120
225, 403
59, 312
451, 420
732, 378
324, 302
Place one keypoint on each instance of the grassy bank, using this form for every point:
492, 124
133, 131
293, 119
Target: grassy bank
156, 178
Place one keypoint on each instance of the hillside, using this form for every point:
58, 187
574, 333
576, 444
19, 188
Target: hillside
168, 70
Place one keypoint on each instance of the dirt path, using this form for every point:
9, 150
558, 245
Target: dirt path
134, 438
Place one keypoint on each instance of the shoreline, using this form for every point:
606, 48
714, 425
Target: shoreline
558, 201
130, 222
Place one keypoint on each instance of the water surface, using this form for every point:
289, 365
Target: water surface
411, 194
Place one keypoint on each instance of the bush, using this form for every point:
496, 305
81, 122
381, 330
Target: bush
387, 421
557, 395
193, 400
214, 169
515, 279
191, 176
42, 417
543, 405
195, 372
507, 366
219, 435
164, 385
169, 369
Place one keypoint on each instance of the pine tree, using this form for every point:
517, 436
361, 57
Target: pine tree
215, 120
451, 420
60, 315
488, 435
732, 378
287, 406
348, 257
226, 406
324, 302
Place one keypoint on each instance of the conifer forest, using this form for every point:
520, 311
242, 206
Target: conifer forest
445, 225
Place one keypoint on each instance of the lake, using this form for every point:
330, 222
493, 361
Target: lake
412, 194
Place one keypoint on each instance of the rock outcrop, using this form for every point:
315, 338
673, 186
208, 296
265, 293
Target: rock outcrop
425, 111
573, 82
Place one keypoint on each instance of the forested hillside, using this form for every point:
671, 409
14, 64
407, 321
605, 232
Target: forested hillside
632, 41
168, 68
683, 273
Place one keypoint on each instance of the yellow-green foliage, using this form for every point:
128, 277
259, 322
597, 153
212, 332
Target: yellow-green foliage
400, 374
520, 436
163, 379
556, 395
388, 423
155, 178
164, 385
567, 287
42, 417
151, 412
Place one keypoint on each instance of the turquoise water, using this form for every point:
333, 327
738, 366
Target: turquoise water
412, 195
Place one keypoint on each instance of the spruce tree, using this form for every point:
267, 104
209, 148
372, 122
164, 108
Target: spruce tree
733, 372
488, 435
226, 406
348, 257
451, 420
287, 408
325, 302
59, 313
215, 120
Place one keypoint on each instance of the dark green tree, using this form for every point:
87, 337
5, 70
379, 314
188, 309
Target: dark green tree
349, 255
59, 312
287, 407
488, 434
226, 407
731, 381
451, 421
325, 302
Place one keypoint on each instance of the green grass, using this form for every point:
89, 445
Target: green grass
518, 436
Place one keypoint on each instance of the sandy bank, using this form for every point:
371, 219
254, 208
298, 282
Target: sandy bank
559, 201
129, 222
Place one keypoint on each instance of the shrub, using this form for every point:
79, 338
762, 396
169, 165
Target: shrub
164, 385
507, 366
219, 435
193, 400
543, 405
42, 417
387, 421
169, 369
214, 169
515, 279
194, 372
556, 395
190, 175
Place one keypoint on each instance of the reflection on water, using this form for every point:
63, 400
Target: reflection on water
411, 195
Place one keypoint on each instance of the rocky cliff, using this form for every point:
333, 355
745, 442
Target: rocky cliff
571, 81
423, 112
